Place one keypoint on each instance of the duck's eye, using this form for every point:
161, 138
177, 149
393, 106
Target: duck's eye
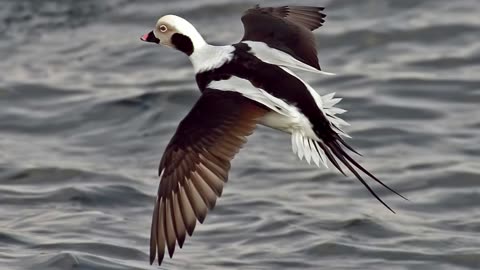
163, 28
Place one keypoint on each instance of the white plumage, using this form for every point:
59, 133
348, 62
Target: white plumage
279, 58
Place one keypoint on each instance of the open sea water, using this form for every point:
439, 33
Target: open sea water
86, 110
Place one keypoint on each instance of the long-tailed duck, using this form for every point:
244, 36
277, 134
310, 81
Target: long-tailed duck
242, 85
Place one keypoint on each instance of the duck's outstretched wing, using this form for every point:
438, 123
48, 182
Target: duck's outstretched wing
286, 28
195, 165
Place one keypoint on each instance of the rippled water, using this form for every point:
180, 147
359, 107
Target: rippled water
86, 110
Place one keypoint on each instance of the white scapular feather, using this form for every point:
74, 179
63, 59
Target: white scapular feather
308, 150
323, 158
300, 147
245, 88
277, 57
294, 144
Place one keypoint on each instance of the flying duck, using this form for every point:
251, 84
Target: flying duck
248, 83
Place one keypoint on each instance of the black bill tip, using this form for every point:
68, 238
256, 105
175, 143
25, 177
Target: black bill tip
150, 37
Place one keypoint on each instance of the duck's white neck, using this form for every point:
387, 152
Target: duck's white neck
197, 39
208, 57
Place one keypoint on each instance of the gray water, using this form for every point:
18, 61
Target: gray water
86, 110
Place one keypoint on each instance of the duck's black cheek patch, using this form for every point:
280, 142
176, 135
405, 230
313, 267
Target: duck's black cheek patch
182, 43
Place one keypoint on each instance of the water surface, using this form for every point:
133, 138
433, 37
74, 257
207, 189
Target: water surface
86, 110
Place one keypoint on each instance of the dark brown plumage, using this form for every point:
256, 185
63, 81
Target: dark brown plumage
195, 165
287, 28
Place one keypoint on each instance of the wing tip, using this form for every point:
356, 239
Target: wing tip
171, 250
160, 258
181, 240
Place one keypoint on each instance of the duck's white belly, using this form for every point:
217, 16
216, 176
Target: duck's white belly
277, 121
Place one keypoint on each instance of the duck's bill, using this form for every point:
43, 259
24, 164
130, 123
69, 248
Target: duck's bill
150, 37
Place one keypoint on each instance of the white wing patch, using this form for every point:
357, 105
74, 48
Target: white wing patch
277, 57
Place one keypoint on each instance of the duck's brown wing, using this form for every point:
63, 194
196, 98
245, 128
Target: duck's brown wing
195, 165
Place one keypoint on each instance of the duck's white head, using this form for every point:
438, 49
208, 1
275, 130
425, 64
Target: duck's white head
175, 32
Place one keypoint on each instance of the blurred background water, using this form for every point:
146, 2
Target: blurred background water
86, 110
